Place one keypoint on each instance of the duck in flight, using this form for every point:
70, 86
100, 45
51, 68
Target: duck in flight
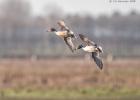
92, 48
66, 34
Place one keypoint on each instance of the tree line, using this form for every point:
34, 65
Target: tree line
23, 34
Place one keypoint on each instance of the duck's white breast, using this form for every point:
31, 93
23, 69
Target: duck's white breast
89, 48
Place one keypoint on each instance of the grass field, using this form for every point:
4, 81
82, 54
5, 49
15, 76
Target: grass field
71, 79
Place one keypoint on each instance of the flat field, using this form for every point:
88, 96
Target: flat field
70, 79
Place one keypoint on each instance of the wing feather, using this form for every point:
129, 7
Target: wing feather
97, 60
70, 44
86, 40
62, 25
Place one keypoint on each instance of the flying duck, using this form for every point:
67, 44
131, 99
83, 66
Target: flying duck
66, 35
92, 48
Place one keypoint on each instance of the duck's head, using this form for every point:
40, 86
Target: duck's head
100, 49
52, 30
80, 46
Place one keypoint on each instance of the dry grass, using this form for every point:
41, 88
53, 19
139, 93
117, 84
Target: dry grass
68, 73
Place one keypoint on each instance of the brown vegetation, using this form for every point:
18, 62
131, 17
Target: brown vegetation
68, 73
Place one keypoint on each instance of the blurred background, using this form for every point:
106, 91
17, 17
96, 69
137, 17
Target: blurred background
34, 63
23, 26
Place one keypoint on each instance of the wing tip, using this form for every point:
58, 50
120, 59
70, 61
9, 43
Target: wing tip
101, 67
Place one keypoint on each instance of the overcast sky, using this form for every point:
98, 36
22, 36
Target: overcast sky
94, 7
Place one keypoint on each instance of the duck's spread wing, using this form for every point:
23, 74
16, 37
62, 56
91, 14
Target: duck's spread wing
62, 25
70, 44
86, 40
97, 59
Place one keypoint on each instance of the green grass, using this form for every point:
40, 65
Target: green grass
71, 93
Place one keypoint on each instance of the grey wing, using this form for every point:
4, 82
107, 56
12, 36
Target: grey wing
70, 44
86, 40
97, 60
